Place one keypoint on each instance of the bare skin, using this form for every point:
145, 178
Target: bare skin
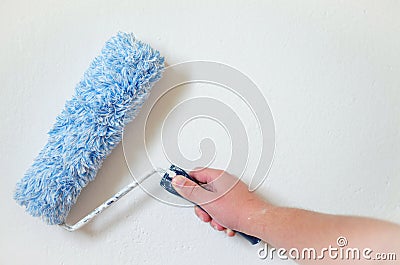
230, 206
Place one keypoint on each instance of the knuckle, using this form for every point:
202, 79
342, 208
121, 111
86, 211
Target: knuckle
190, 191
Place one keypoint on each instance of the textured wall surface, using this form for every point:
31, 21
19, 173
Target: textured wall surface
330, 72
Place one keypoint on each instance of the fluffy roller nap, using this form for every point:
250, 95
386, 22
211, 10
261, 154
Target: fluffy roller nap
109, 96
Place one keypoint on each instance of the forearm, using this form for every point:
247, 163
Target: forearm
294, 228
229, 204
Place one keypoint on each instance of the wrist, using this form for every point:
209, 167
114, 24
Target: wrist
255, 220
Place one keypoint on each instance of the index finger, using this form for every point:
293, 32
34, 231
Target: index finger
206, 175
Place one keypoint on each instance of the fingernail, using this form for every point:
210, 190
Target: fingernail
179, 180
229, 232
201, 217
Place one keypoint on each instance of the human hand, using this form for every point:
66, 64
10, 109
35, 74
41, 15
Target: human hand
228, 204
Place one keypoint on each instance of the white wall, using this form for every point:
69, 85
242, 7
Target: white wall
330, 71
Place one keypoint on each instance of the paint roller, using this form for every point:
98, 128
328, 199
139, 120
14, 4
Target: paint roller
90, 126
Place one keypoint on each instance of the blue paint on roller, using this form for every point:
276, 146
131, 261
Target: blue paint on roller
110, 95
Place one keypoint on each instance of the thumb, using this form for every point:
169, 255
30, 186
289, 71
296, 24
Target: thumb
190, 190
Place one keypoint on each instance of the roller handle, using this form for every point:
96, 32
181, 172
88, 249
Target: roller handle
166, 183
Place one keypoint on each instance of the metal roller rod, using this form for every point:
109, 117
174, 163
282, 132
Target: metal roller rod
125, 190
